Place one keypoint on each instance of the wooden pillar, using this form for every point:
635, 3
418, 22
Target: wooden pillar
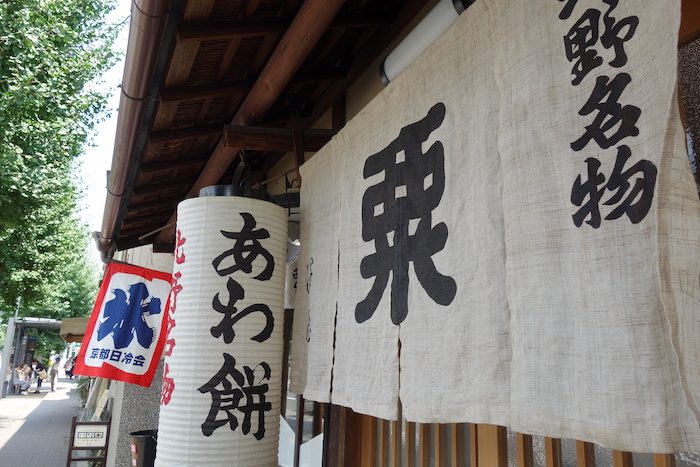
664, 460
622, 459
491, 445
585, 454
523, 445
552, 452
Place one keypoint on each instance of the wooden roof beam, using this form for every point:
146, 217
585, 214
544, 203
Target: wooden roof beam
155, 204
690, 22
227, 88
172, 164
273, 139
221, 30
152, 188
303, 34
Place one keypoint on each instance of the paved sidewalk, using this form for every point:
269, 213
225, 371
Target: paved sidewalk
34, 429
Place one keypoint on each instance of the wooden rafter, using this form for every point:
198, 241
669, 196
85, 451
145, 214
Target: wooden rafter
273, 139
155, 204
158, 166
165, 186
219, 30
181, 134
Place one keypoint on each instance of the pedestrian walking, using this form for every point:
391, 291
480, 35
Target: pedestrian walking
53, 372
40, 373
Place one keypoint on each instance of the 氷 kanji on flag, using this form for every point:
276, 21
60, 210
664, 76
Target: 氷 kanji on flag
126, 333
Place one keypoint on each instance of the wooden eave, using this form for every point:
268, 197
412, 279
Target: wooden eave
216, 54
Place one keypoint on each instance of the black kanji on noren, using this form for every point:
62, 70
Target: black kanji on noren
611, 115
568, 8
617, 33
589, 188
642, 192
232, 315
637, 199
247, 397
579, 44
245, 250
412, 187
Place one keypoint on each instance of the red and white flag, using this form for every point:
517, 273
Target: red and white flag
125, 336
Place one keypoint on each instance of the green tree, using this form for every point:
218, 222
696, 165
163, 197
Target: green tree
50, 52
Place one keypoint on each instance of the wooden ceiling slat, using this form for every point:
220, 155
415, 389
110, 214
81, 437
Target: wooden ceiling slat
153, 167
218, 30
166, 186
204, 91
180, 134
135, 220
155, 204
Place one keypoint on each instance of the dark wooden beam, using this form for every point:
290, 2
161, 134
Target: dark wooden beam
181, 134
253, 138
227, 88
204, 91
222, 30
172, 164
218, 30
690, 22
410, 9
127, 243
146, 218
152, 188
155, 204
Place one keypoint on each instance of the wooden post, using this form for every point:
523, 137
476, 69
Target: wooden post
524, 450
369, 441
492, 446
410, 443
622, 459
456, 446
585, 454
423, 448
286, 339
299, 435
474, 445
664, 460
318, 418
69, 456
396, 443
552, 452
382, 442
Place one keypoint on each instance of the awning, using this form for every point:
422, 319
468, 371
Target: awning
73, 329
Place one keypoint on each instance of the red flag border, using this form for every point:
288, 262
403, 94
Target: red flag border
107, 370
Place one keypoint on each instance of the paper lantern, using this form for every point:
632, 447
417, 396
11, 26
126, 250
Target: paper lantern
221, 394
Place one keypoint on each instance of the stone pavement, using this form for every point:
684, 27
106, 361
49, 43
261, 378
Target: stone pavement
34, 429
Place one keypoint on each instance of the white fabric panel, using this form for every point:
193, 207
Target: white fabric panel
317, 276
593, 357
559, 323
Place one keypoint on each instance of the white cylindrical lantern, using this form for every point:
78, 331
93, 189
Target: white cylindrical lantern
221, 397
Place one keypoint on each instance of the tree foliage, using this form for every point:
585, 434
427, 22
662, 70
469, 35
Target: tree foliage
50, 51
